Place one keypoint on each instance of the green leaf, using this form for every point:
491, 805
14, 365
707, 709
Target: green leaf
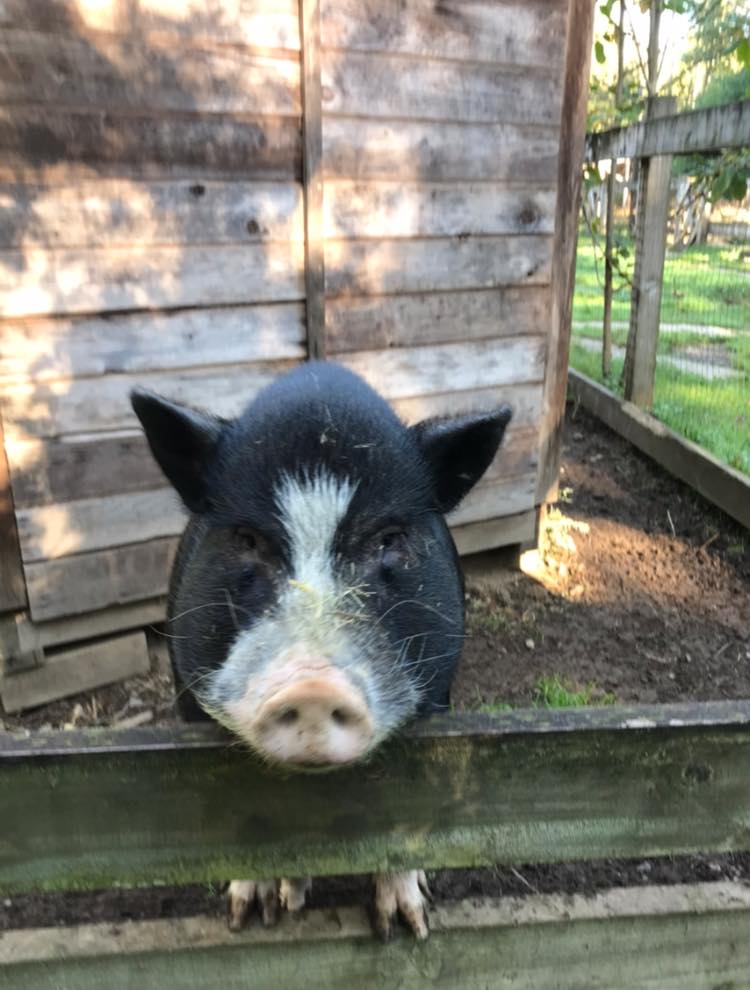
601, 58
742, 51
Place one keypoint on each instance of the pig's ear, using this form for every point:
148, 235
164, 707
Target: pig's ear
182, 442
459, 451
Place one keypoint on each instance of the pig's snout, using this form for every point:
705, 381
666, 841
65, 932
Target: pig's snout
319, 719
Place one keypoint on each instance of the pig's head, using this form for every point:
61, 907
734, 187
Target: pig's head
316, 602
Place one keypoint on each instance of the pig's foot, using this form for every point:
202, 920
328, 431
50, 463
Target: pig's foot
401, 893
270, 895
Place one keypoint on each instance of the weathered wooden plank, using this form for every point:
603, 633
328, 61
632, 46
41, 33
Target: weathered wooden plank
91, 404
396, 209
90, 581
71, 671
392, 266
12, 586
259, 23
525, 786
575, 88
52, 531
400, 86
114, 212
716, 481
511, 32
525, 400
405, 150
67, 347
493, 499
34, 282
33, 139
356, 323
685, 133
690, 937
493, 533
128, 74
312, 178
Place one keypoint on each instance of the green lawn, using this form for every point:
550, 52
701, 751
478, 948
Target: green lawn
703, 286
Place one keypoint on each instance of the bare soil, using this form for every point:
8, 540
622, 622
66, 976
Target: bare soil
640, 590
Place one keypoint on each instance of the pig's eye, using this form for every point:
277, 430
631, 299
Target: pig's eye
247, 538
392, 548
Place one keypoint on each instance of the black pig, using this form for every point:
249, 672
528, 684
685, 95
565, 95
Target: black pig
316, 602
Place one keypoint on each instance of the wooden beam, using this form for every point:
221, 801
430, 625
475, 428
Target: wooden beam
689, 936
572, 136
726, 488
12, 584
89, 809
312, 178
679, 134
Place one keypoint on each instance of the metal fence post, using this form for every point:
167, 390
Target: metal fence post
650, 247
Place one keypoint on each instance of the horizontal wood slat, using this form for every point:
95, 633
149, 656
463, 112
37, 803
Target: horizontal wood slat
393, 86
114, 212
78, 281
37, 140
249, 22
521, 787
70, 347
492, 500
124, 74
364, 267
512, 32
355, 148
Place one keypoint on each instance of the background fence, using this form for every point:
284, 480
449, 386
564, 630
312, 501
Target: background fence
697, 381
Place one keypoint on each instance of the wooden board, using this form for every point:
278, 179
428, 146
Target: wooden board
713, 479
510, 32
90, 581
130, 74
74, 670
435, 264
408, 88
35, 282
12, 586
525, 400
46, 349
494, 500
398, 209
119, 212
404, 150
40, 143
355, 323
262, 23
694, 937
518, 787
520, 530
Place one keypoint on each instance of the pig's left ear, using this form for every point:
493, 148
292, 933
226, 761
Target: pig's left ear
460, 450
182, 441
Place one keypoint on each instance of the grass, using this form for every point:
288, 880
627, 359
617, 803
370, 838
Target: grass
704, 285
554, 692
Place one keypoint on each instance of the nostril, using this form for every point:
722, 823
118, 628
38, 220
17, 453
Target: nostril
340, 716
288, 717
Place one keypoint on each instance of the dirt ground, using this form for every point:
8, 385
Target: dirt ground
640, 591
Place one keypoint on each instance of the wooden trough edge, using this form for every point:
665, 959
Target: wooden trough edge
725, 487
88, 809
680, 937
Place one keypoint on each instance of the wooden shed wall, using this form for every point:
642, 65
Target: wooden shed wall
152, 231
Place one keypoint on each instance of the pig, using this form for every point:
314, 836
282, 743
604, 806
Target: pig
316, 603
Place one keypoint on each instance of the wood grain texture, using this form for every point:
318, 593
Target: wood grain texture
12, 586
397, 209
356, 323
34, 282
525, 400
396, 86
356, 148
498, 532
693, 936
521, 787
74, 670
435, 264
510, 32
90, 581
35, 141
123, 74
260, 23
70, 347
496, 499
577, 61
118, 212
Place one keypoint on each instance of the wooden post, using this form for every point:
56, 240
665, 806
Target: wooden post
312, 177
650, 246
12, 584
608, 246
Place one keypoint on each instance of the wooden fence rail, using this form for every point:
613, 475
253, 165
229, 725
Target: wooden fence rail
89, 809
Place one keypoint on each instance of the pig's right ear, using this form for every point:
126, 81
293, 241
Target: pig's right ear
182, 441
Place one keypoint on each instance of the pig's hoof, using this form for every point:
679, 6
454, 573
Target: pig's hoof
405, 894
242, 894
